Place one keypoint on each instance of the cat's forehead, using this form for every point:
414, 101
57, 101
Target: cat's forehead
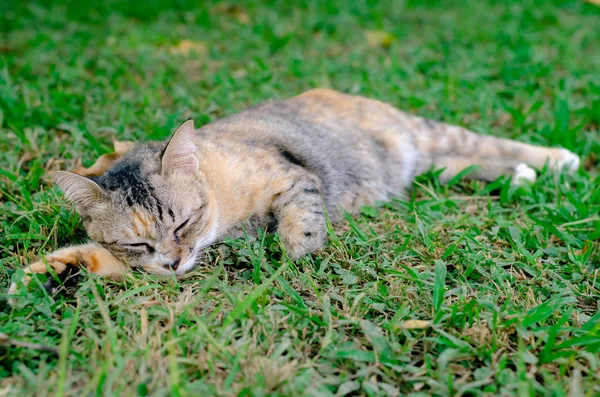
134, 180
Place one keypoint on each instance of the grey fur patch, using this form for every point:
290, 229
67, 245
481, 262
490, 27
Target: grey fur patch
129, 176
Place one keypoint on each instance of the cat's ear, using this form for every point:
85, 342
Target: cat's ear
180, 153
87, 196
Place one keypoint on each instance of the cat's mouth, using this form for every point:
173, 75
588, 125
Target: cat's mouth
197, 251
184, 267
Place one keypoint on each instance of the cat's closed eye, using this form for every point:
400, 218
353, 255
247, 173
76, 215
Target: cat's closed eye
145, 246
178, 229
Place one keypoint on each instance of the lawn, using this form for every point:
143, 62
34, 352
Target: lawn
469, 289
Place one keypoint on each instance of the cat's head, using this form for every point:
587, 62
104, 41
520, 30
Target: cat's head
152, 209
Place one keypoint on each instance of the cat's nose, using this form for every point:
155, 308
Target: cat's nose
174, 264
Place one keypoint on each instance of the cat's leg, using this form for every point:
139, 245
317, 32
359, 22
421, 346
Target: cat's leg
486, 170
67, 262
300, 218
439, 140
454, 148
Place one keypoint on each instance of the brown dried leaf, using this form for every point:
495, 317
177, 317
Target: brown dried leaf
106, 160
187, 47
415, 324
379, 38
234, 11
122, 147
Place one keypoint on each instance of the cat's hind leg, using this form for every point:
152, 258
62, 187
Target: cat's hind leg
455, 148
486, 170
67, 262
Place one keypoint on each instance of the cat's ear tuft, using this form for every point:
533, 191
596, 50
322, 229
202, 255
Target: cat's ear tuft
180, 153
87, 196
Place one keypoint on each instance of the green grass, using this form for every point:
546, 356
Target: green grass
505, 281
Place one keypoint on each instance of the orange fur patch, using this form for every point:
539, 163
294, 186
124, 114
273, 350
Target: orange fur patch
142, 224
93, 264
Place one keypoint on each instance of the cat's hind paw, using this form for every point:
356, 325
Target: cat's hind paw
523, 173
565, 160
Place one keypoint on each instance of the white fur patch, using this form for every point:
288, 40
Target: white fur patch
12, 290
523, 173
203, 242
566, 160
187, 265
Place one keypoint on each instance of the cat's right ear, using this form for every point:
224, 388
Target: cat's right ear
87, 196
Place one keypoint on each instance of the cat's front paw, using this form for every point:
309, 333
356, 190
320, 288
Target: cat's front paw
68, 274
14, 288
66, 264
565, 160
37, 267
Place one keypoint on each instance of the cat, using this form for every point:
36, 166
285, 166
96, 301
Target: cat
281, 166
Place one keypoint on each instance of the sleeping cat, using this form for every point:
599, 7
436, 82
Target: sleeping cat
277, 166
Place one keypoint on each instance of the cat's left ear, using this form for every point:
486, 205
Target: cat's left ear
180, 153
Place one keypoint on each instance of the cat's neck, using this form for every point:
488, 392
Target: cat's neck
231, 179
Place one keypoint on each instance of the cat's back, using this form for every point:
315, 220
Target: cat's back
352, 143
320, 115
